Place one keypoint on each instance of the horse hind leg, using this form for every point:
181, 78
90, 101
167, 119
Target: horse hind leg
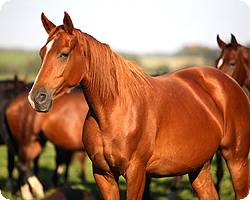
202, 183
237, 163
235, 149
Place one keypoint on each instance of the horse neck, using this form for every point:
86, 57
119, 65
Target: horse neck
111, 79
241, 72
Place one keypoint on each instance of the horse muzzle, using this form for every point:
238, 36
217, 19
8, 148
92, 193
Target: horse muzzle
40, 100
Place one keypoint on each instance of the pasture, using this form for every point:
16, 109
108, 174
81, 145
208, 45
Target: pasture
160, 187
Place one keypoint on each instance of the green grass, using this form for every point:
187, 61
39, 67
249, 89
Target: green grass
23, 63
160, 187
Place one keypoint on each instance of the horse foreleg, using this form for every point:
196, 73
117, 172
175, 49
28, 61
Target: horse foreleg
26, 155
107, 184
11, 165
36, 165
136, 179
147, 193
202, 183
24, 173
219, 170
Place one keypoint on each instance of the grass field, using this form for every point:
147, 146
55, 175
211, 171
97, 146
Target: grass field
160, 187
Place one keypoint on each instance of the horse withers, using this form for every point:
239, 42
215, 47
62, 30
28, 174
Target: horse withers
182, 118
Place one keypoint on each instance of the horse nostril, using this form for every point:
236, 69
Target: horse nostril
41, 97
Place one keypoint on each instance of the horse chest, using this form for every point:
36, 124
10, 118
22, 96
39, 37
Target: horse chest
105, 152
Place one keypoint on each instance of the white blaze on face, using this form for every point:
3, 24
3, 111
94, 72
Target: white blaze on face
220, 63
48, 47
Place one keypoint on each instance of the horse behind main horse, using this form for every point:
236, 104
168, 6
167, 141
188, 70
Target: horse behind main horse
140, 126
234, 60
63, 127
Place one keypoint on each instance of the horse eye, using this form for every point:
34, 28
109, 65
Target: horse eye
63, 56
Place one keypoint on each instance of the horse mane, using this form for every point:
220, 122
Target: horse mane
109, 72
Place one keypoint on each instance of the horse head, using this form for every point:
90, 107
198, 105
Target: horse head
61, 67
227, 58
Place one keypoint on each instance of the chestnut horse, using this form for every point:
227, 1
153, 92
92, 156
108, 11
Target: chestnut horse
140, 126
63, 127
9, 89
234, 60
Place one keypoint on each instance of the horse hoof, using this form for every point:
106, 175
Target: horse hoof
25, 192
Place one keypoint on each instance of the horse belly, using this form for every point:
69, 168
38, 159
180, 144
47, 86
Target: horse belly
185, 145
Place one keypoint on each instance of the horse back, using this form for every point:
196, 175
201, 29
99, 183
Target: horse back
227, 96
209, 84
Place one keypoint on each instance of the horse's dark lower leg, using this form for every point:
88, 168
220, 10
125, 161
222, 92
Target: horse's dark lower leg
24, 174
147, 193
202, 183
66, 172
27, 180
219, 171
11, 165
55, 176
63, 156
36, 165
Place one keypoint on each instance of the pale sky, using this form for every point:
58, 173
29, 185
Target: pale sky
137, 26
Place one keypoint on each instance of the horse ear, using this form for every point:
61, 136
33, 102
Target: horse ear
234, 41
220, 43
67, 23
48, 25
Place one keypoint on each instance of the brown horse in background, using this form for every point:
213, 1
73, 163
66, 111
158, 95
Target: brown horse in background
234, 60
8, 90
140, 126
26, 125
